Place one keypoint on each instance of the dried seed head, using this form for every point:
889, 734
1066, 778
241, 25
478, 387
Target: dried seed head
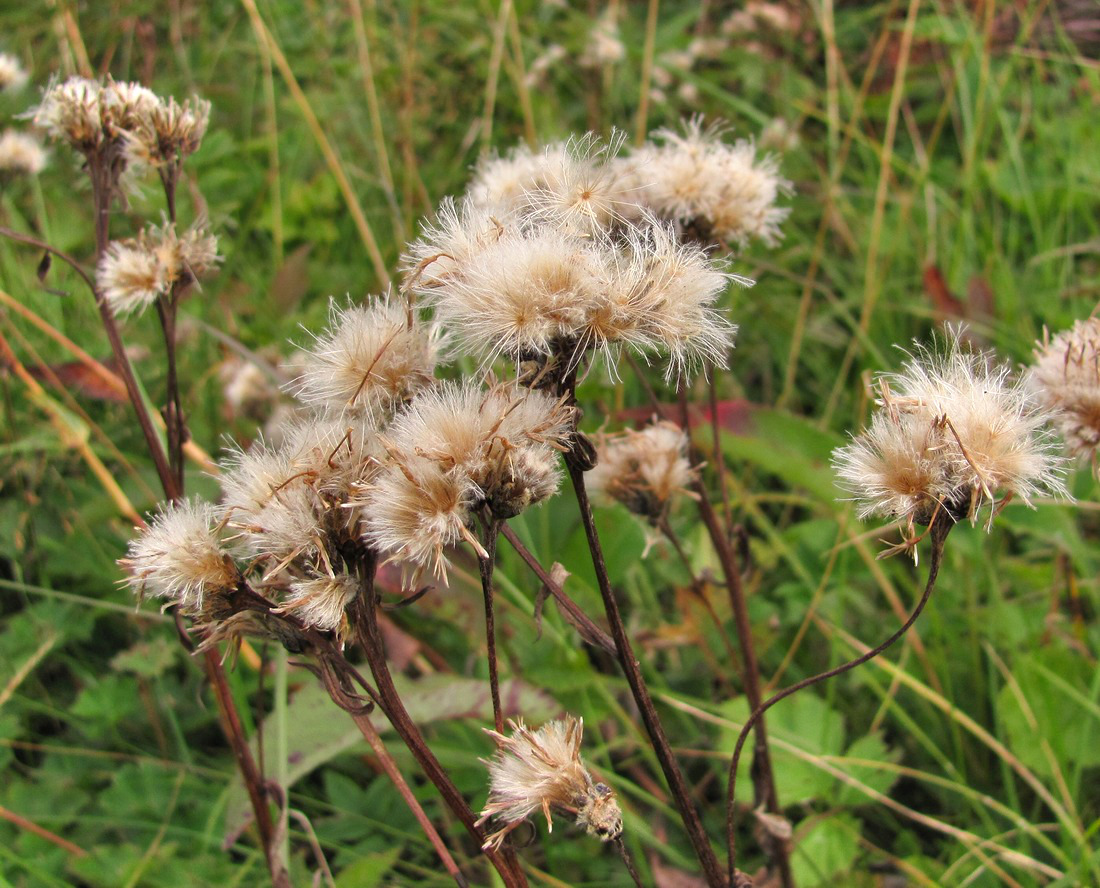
574, 185
322, 602
644, 470
12, 75
70, 112
531, 289
370, 360
541, 770
605, 45
955, 430
133, 273
717, 191
179, 557
168, 133
1067, 376
124, 107
414, 510
21, 154
502, 439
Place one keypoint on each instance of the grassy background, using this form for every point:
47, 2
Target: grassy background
927, 136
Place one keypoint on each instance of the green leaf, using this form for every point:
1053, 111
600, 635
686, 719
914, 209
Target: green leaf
827, 850
367, 872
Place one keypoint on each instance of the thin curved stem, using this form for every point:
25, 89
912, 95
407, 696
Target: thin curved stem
764, 792
32, 241
940, 528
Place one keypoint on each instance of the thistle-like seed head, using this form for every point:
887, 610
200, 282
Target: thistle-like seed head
180, 558
1066, 375
954, 430
542, 770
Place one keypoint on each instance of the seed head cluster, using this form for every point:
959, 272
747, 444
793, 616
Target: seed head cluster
954, 430
542, 770
13, 76
554, 255
133, 273
1066, 376
550, 259
126, 120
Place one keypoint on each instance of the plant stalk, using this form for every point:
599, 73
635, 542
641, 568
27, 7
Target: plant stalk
711, 870
938, 531
486, 565
364, 613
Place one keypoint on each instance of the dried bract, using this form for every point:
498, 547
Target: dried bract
541, 770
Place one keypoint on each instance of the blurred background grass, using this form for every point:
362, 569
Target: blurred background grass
944, 164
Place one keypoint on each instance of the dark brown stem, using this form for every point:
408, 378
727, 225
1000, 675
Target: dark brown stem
486, 565
167, 308
716, 445
711, 870
941, 527
628, 862
763, 774
250, 774
583, 623
101, 200
366, 728
364, 613
102, 188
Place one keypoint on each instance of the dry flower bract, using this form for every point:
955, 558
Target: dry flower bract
542, 770
1066, 375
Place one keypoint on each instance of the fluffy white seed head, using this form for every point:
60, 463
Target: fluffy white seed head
717, 191
574, 185
1066, 375
180, 558
13, 77
542, 770
70, 112
414, 510
955, 431
133, 273
370, 360
503, 439
322, 602
644, 470
21, 154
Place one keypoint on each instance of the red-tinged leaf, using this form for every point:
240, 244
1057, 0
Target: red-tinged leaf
80, 379
946, 304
